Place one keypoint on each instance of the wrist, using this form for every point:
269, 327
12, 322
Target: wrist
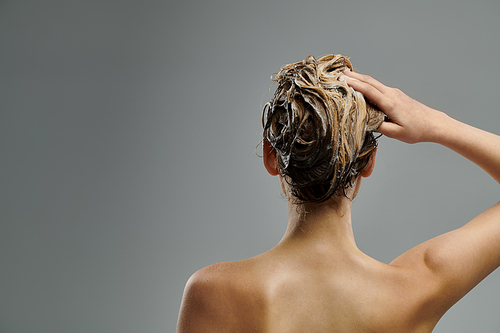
441, 127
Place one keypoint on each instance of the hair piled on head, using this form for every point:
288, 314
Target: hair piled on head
320, 128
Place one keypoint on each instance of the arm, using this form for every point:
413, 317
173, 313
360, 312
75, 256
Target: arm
194, 307
205, 306
460, 259
218, 298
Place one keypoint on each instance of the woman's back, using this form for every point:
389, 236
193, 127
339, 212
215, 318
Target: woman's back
291, 290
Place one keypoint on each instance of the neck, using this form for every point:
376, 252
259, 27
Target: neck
326, 225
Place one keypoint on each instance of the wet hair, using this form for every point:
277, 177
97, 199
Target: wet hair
320, 128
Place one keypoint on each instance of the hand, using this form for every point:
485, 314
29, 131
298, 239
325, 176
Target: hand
410, 121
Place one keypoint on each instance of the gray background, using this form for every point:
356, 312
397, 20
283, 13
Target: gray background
127, 136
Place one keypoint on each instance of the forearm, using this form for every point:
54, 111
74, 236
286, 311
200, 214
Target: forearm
480, 147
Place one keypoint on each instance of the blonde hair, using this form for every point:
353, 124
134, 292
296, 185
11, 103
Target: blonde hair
320, 128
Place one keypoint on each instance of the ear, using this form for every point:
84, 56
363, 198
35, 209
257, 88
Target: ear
370, 165
269, 156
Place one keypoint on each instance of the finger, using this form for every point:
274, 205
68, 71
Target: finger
370, 92
389, 129
367, 79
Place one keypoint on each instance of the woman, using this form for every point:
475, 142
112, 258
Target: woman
318, 139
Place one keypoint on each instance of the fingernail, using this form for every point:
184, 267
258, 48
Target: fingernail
341, 78
347, 69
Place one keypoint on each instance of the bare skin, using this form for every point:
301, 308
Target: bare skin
317, 280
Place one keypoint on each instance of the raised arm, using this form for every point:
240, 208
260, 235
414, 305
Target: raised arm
459, 259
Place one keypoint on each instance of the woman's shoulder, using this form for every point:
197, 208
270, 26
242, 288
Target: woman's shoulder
221, 296
227, 274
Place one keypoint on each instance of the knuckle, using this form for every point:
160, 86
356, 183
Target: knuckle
366, 77
395, 94
398, 93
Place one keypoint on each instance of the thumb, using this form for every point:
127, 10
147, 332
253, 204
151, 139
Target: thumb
389, 129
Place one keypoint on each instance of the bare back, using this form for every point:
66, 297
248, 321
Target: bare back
284, 290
